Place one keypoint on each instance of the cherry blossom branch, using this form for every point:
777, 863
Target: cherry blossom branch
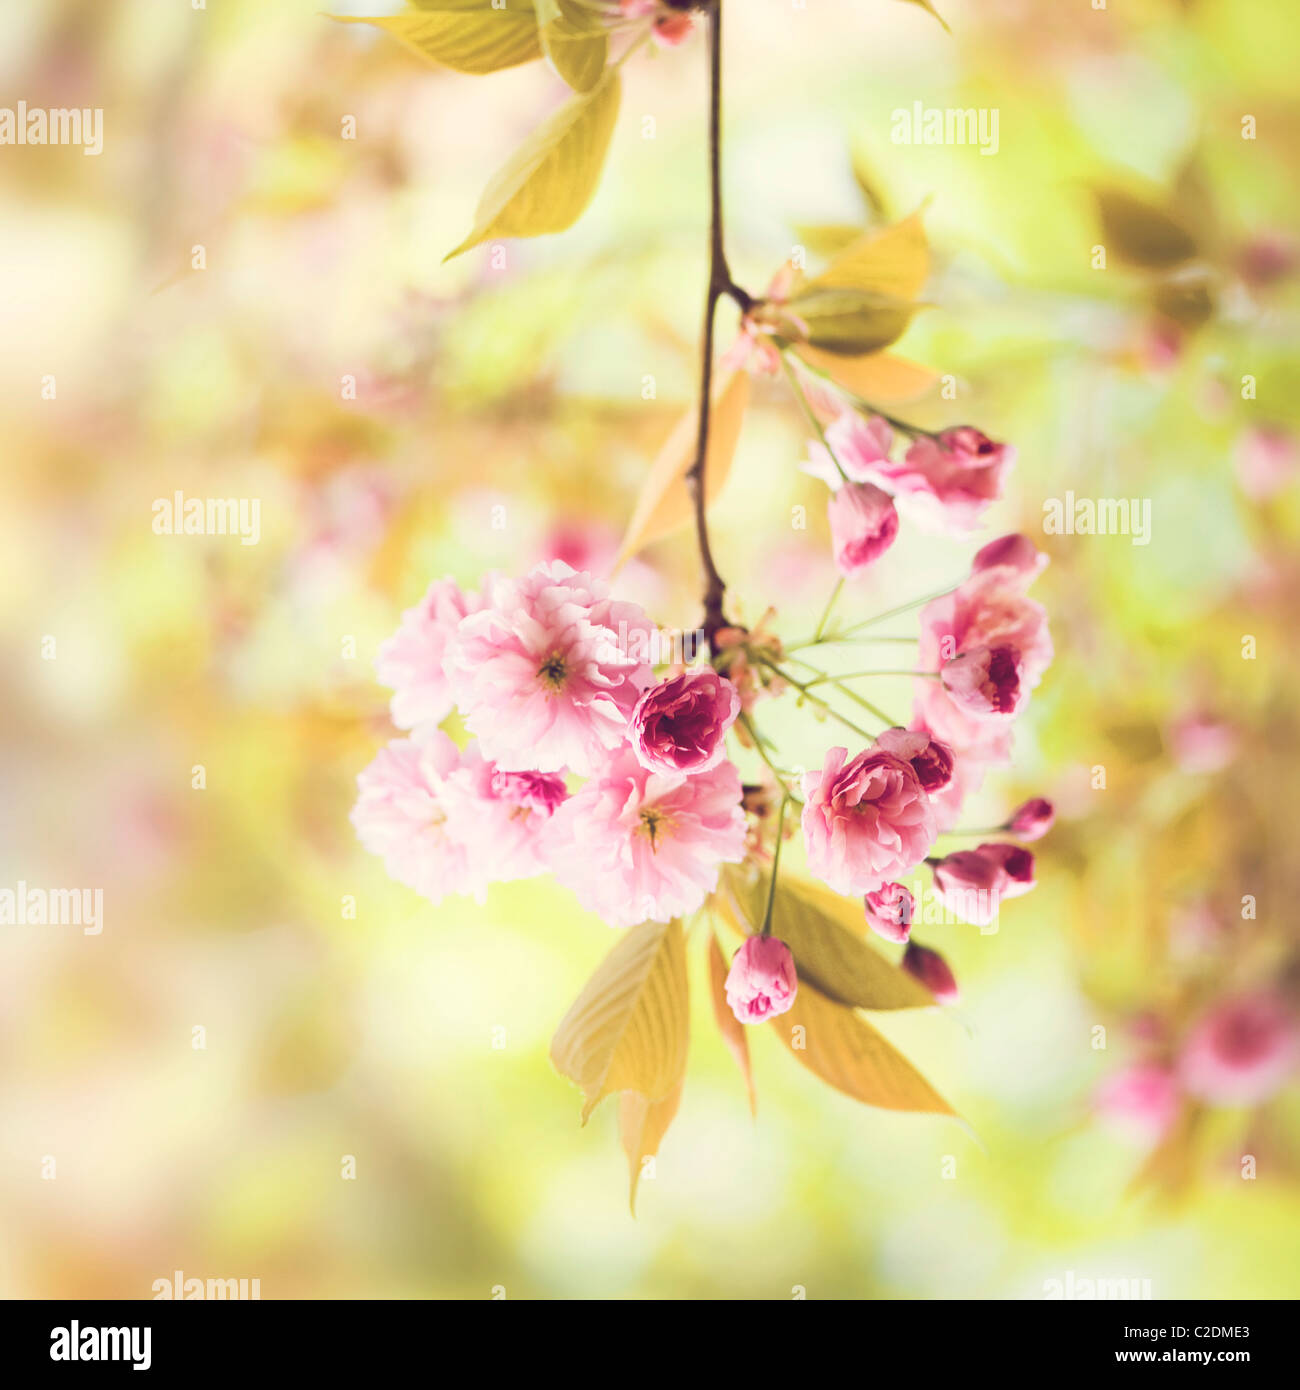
720, 284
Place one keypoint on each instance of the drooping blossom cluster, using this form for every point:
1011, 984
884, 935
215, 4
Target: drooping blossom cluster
584, 761
550, 675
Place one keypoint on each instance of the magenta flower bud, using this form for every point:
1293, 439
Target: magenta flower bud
931, 760
680, 725
1015, 861
932, 970
890, 910
971, 885
1141, 1100
863, 526
986, 680
1015, 552
761, 982
1242, 1051
1032, 820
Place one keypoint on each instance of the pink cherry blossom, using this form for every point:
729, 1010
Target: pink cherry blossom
411, 661
865, 820
401, 816
1266, 459
1015, 861
932, 970
1242, 1051
1141, 1100
636, 845
1033, 819
986, 681
890, 910
945, 482
1202, 743
548, 673
1016, 554
931, 760
859, 442
761, 982
864, 525
680, 725
499, 816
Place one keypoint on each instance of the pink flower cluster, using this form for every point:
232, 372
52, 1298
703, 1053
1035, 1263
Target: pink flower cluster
548, 673
943, 483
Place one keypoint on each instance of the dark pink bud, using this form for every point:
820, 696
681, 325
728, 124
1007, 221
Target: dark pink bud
680, 725
932, 970
1032, 820
986, 680
761, 982
890, 910
1015, 861
931, 760
971, 885
1014, 552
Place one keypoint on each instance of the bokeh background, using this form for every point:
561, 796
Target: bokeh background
499, 417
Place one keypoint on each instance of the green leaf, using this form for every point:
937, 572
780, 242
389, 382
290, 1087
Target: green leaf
467, 35
850, 321
825, 934
642, 1125
843, 1049
577, 44
548, 181
893, 262
628, 1029
1142, 233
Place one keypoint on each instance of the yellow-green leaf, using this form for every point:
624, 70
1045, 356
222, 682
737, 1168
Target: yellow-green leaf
1140, 232
731, 1028
550, 178
879, 378
893, 262
843, 1049
470, 36
827, 238
825, 934
628, 1029
926, 5
577, 45
642, 1125
850, 322
665, 501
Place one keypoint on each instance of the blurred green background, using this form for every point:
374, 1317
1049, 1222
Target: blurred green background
499, 417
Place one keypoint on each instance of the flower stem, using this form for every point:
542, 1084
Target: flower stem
836, 637
826, 614
757, 739
776, 863
811, 415
823, 705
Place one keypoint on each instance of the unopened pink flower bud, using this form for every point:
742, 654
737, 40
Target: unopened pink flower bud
1032, 820
863, 526
1015, 552
890, 909
971, 885
761, 982
1015, 861
932, 970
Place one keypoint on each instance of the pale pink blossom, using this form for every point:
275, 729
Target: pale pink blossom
410, 662
499, 816
636, 845
865, 820
1202, 743
945, 482
1141, 1100
932, 970
401, 816
680, 725
889, 911
860, 443
1266, 460
1242, 1051
864, 525
548, 673
986, 681
761, 982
